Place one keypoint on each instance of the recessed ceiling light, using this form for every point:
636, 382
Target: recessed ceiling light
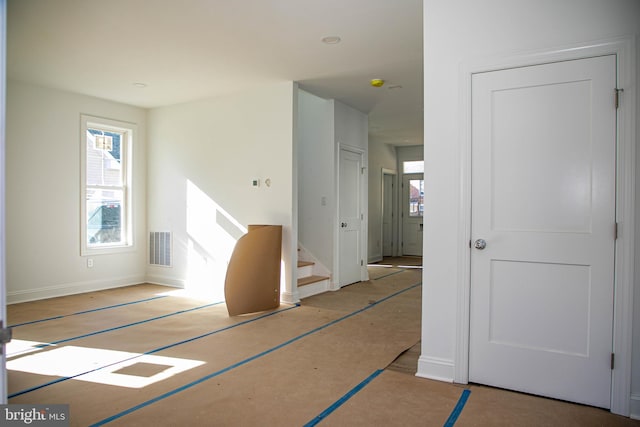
140, 85
331, 40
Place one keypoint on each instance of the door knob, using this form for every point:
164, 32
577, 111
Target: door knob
480, 244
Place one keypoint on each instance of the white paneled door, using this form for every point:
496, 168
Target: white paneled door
543, 229
350, 216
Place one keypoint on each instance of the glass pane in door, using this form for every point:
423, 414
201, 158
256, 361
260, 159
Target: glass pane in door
416, 197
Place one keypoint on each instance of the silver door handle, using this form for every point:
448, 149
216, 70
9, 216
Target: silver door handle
480, 244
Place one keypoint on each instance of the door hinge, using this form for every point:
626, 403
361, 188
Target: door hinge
613, 359
469, 244
615, 231
361, 262
616, 95
5, 334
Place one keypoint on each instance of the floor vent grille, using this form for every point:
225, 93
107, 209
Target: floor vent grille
160, 248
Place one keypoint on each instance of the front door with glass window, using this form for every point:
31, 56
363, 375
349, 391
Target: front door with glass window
412, 210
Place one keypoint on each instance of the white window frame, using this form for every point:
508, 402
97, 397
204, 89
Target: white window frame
129, 131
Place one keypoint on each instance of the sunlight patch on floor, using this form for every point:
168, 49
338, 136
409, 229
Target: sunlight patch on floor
203, 295
20, 347
101, 366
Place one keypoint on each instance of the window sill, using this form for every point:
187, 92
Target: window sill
107, 250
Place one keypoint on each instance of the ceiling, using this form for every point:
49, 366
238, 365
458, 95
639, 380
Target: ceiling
193, 49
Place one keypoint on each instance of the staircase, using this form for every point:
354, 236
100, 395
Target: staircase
308, 283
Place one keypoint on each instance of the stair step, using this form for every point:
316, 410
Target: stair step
311, 279
305, 263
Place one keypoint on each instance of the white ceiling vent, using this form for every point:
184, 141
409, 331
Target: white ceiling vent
160, 248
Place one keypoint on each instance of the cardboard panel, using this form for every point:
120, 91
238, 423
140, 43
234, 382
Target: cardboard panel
252, 283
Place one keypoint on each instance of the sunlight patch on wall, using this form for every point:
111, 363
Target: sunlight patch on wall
212, 235
111, 367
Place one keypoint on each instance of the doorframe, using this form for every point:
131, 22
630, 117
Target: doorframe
3, 284
624, 49
364, 197
394, 207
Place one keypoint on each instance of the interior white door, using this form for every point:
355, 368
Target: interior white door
387, 214
543, 220
350, 216
412, 212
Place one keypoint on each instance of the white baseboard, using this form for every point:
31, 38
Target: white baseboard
634, 406
164, 281
285, 297
435, 369
289, 297
375, 258
14, 297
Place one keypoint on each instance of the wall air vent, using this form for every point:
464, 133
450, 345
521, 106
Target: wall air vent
160, 248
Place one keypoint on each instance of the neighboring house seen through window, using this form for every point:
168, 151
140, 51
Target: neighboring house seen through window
106, 179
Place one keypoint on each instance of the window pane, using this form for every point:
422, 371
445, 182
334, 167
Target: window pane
416, 166
104, 165
104, 216
416, 197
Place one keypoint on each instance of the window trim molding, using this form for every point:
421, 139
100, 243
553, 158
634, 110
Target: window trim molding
130, 132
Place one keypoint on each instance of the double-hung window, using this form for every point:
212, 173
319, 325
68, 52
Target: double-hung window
106, 185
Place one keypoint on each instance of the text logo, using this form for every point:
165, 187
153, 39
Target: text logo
34, 415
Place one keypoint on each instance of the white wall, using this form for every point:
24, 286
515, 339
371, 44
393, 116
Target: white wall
316, 180
202, 159
455, 34
43, 195
381, 156
351, 127
409, 153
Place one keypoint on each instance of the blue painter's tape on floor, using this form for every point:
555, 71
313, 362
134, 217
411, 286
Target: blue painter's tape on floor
128, 325
156, 350
390, 274
87, 311
343, 399
247, 360
458, 408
